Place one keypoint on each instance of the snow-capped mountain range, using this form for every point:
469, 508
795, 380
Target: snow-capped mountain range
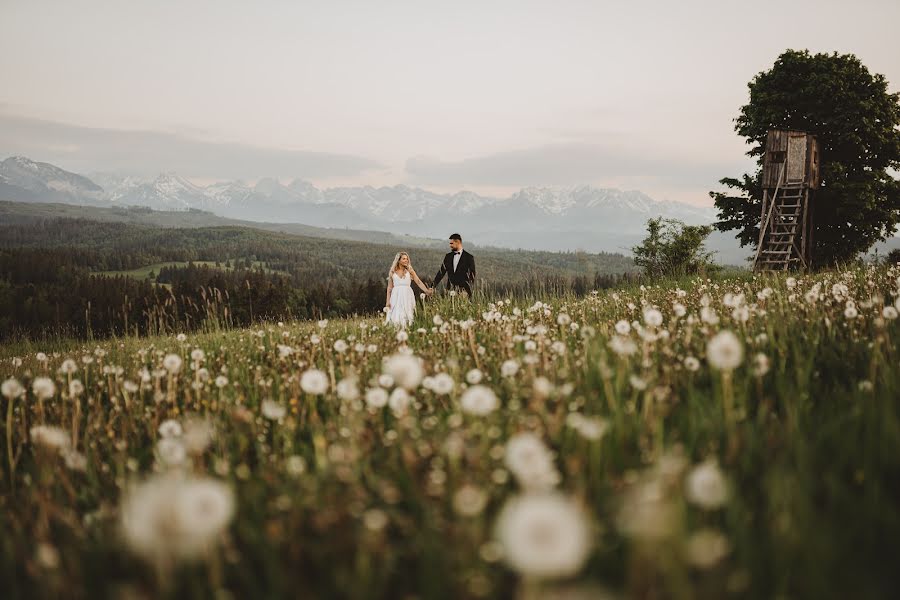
555, 218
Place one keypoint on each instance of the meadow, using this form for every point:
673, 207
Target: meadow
702, 438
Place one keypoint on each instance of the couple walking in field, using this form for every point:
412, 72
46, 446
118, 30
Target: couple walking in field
400, 306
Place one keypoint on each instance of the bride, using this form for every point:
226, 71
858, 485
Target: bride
400, 305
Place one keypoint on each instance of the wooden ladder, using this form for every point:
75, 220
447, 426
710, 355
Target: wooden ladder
780, 248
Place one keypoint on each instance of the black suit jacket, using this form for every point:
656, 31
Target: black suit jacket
464, 274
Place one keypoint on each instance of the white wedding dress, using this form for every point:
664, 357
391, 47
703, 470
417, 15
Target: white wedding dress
403, 301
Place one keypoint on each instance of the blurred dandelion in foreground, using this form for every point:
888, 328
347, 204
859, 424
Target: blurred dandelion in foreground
43, 388
724, 351
509, 368
348, 389
170, 428
443, 384
172, 363
50, 437
406, 371
11, 389
376, 397
469, 501
647, 512
706, 548
198, 435
531, 462
272, 410
705, 486
169, 518
544, 536
479, 400
314, 382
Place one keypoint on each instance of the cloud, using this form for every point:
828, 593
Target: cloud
86, 149
571, 163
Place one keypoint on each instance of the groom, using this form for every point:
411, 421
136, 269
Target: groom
458, 265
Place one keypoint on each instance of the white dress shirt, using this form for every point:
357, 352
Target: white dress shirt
456, 260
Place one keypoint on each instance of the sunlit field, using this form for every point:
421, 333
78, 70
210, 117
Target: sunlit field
695, 439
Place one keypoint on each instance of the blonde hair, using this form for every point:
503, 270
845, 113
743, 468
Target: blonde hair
397, 262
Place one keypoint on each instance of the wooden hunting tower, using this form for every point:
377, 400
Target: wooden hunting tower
790, 173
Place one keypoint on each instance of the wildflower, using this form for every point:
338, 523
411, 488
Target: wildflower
637, 382
12, 389
623, 327
272, 410
544, 536
198, 355
509, 368
376, 397
705, 548
170, 428
724, 351
48, 436
43, 388
406, 371
443, 384
478, 400
531, 462
623, 346
198, 434
375, 519
296, 465
760, 364
314, 382
168, 517
172, 363
691, 363
284, 351
647, 513
590, 428
340, 346
68, 367
705, 486
171, 451
469, 501
348, 389
221, 381
542, 387
708, 315
474, 376
47, 556
653, 317
399, 400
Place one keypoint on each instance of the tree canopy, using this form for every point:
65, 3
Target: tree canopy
673, 249
857, 123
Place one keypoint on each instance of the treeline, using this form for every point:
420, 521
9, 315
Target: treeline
44, 293
106, 246
50, 280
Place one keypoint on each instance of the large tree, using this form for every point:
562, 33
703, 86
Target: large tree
857, 122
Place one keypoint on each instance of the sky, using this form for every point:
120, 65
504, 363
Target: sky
488, 96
